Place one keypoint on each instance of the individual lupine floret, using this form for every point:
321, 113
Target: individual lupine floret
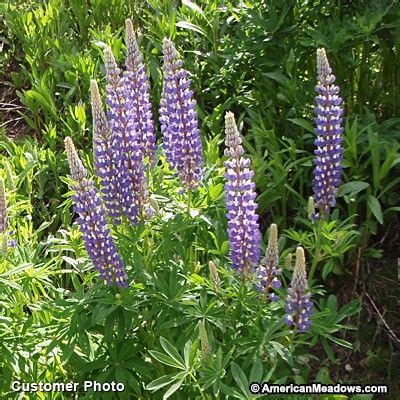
137, 94
329, 131
128, 158
179, 121
103, 154
268, 271
93, 223
243, 229
299, 306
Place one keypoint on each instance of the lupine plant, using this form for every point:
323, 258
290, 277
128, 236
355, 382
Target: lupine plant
330, 240
164, 320
329, 130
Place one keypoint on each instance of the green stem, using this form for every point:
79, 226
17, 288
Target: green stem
317, 254
291, 336
197, 384
189, 203
190, 248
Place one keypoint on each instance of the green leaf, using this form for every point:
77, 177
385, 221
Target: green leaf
172, 389
302, 123
328, 349
332, 302
375, 207
391, 209
231, 392
352, 188
163, 381
278, 77
327, 269
121, 374
193, 6
267, 377
323, 376
12, 284
282, 351
341, 342
240, 378
172, 351
191, 27
186, 353
164, 359
215, 191
256, 371
350, 308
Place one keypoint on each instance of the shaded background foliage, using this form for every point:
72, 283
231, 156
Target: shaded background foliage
254, 58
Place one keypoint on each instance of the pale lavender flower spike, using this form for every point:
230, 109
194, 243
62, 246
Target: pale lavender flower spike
93, 223
243, 229
299, 305
137, 90
268, 272
179, 121
103, 155
329, 131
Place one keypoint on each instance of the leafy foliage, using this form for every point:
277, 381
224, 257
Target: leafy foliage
59, 323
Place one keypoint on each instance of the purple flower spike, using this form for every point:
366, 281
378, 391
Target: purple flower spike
268, 271
329, 150
137, 93
93, 223
103, 155
127, 156
243, 229
299, 306
179, 122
